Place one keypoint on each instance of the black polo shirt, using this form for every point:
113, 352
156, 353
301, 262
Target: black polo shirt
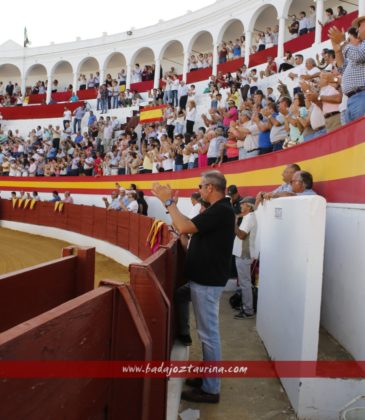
210, 250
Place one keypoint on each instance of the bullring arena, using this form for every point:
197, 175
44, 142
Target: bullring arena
89, 275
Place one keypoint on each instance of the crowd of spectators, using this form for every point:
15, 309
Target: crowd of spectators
121, 199
242, 120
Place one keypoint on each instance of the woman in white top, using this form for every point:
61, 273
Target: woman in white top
136, 74
260, 40
190, 116
200, 63
269, 42
133, 204
193, 63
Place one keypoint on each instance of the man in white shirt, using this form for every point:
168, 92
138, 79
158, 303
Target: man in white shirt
311, 71
136, 74
297, 72
195, 197
67, 117
303, 23
244, 251
183, 94
247, 134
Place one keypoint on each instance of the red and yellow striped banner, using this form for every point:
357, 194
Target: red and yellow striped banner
336, 161
152, 114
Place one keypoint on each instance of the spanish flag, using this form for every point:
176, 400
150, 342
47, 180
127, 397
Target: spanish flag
151, 114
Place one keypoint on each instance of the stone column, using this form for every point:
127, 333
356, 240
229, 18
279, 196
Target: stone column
248, 40
215, 59
185, 66
156, 82
319, 18
281, 37
129, 76
23, 84
74, 83
361, 7
49, 88
102, 76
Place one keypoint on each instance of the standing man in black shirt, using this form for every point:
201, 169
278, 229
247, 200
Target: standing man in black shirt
206, 267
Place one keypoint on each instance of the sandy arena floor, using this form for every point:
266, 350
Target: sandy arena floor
20, 250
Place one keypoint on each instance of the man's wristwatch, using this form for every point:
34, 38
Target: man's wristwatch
344, 42
168, 202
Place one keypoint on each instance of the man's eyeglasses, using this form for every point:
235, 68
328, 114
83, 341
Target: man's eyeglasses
202, 185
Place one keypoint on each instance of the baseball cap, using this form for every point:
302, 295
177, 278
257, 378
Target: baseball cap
232, 189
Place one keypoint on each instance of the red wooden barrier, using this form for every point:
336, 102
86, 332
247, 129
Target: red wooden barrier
156, 311
344, 22
85, 267
142, 86
145, 224
111, 227
27, 293
87, 94
123, 230
77, 330
260, 57
39, 98
127, 230
61, 96
91, 327
300, 43
87, 220
130, 397
231, 66
153, 284
99, 224
37, 111
134, 233
198, 75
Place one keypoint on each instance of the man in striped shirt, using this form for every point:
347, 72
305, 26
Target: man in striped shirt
351, 62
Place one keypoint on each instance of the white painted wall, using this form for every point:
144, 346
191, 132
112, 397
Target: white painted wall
343, 308
291, 263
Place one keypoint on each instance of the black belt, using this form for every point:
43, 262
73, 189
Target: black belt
319, 128
331, 114
253, 150
354, 92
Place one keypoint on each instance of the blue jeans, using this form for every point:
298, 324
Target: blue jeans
315, 134
115, 101
104, 105
277, 146
173, 99
77, 125
166, 97
205, 300
355, 107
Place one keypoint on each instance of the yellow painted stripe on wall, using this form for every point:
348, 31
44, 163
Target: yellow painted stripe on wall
339, 165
